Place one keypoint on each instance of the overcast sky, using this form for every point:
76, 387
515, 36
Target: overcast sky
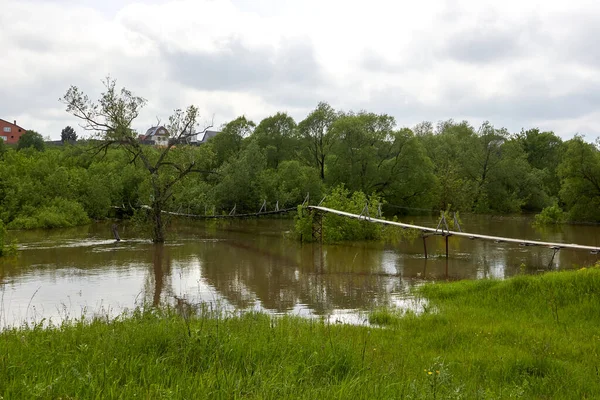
517, 63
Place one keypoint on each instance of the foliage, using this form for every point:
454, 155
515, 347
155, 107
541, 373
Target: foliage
240, 184
483, 170
276, 136
228, 143
337, 228
60, 213
580, 175
551, 215
111, 117
315, 135
31, 139
6, 249
68, 135
525, 337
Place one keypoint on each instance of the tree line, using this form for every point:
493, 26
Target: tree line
452, 165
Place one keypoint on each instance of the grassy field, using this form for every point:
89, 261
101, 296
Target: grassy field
526, 337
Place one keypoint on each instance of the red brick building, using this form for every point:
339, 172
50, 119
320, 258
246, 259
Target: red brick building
10, 133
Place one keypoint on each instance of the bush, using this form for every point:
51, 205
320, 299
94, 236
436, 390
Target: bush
552, 215
11, 249
337, 228
60, 213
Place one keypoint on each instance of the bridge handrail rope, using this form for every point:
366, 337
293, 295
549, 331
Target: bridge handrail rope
444, 222
467, 235
365, 212
456, 222
306, 200
423, 229
257, 214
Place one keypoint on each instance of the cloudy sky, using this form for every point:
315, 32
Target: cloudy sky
517, 63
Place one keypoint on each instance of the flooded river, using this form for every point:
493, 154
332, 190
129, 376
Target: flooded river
250, 265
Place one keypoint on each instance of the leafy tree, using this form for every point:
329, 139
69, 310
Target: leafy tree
229, 142
68, 135
360, 140
447, 151
314, 129
111, 119
580, 175
423, 128
544, 153
241, 184
31, 139
371, 156
290, 183
275, 135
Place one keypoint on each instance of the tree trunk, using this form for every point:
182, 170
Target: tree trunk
158, 229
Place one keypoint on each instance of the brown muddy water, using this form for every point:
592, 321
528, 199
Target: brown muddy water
250, 265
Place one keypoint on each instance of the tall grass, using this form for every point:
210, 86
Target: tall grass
526, 337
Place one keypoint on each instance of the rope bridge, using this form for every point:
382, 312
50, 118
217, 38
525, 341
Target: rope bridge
441, 230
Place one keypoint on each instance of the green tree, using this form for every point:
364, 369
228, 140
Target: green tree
314, 130
2, 148
31, 139
111, 119
580, 175
369, 155
448, 149
544, 152
275, 134
241, 183
229, 141
68, 134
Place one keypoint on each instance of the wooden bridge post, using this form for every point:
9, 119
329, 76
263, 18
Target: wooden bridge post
115, 232
317, 226
425, 245
447, 236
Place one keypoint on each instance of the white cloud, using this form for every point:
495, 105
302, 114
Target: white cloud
519, 63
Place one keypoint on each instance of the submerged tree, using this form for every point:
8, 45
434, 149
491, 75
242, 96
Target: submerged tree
110, 118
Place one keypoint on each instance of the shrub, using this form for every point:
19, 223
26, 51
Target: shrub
551, 215
337, 228
60, 213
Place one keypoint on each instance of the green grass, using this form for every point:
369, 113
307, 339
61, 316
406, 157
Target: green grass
526, 337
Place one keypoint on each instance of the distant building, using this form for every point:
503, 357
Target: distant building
159, 136
156, 135
206, 136
10, 133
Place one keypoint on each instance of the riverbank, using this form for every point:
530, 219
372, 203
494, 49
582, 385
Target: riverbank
526, 337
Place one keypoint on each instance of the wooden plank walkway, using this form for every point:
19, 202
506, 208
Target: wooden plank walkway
499, 239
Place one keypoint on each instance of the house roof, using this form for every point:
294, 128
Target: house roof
11, 123
207, 135
153, 131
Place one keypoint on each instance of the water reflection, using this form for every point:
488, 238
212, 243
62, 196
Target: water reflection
249, 265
